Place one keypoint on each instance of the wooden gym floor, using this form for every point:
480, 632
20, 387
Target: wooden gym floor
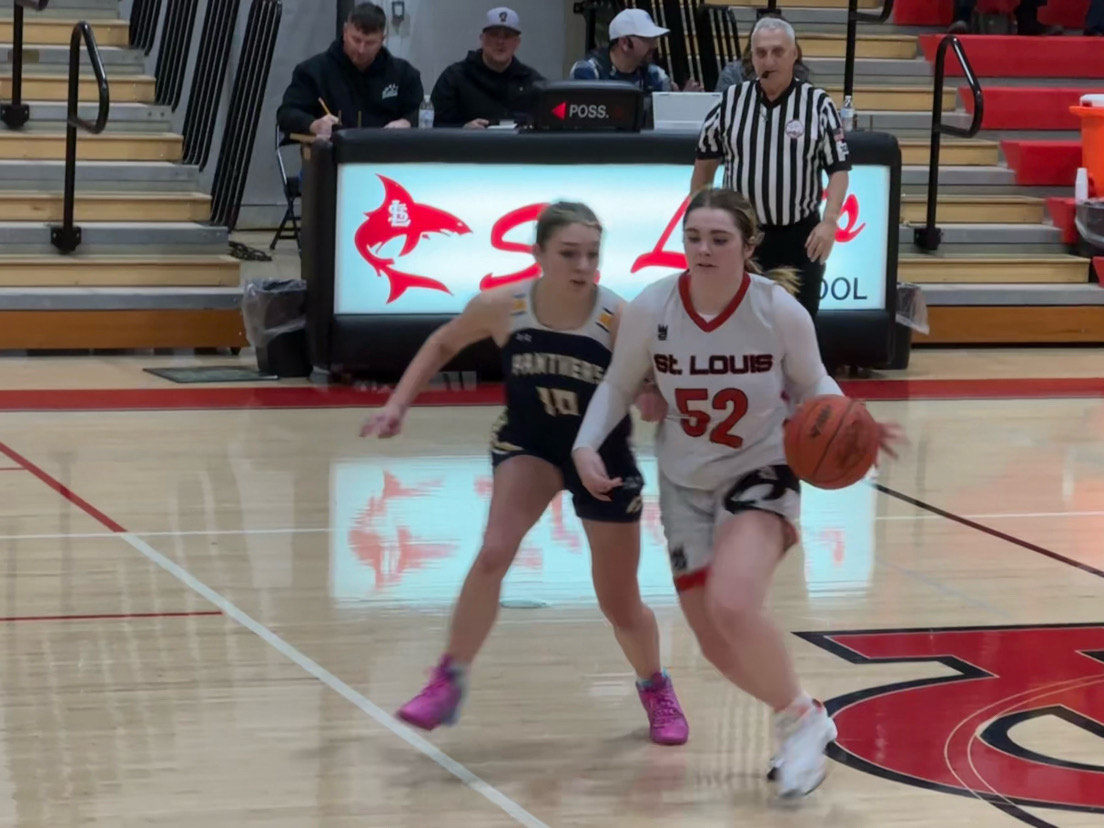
212, 604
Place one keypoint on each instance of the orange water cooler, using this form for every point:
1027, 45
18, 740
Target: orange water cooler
1091, 112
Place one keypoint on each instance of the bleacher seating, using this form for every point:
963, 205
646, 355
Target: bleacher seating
150, 272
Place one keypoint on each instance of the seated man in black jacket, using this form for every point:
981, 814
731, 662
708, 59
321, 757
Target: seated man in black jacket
491, 85
354, 83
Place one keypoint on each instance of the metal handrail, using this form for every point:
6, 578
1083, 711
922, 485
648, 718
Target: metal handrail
928, 237
67, 237
17, 113
854, 18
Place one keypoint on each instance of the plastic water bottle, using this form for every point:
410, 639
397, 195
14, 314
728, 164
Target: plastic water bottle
1081, 186
425, 114
847, 115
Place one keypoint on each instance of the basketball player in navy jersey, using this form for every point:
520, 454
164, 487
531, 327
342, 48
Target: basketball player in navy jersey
556, 333
724, 343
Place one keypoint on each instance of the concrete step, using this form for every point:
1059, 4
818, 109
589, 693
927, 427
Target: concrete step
114, 298
828, 20
119, 238
43, 86
904, 124
72, 9
960, 239
952, 151
894, 98
123, 117
923, 268
40, 206
39, 145
99, 176
958, 179
55, 59
145, 270
821, 45
38, 31
1012, 295
830, 70
966, 209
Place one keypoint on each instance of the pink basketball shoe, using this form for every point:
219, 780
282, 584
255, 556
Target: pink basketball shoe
440, 700
667, 723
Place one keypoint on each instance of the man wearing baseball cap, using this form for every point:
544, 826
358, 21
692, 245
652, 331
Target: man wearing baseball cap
634, 37
490, 85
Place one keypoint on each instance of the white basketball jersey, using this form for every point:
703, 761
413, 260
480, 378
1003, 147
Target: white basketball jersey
722, 379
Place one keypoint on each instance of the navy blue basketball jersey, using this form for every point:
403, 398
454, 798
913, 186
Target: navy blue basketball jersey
550, 377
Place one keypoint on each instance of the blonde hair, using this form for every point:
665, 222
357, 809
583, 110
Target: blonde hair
743, 216
562, 214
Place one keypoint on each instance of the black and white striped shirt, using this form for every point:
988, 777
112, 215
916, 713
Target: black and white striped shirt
776, 151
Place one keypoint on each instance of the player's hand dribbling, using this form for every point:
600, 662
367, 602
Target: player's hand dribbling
387, 422
593, 474
889, 435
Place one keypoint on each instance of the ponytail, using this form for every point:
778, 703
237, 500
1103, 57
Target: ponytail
787, 277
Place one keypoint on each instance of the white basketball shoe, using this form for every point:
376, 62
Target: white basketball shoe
800, 765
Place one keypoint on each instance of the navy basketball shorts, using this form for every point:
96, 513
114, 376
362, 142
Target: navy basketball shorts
625, 504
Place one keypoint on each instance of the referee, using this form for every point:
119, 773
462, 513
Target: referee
776, 136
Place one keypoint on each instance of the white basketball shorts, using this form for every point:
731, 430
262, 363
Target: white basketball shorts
690, 517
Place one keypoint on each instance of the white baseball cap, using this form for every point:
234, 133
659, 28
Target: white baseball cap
503, 18
635, 23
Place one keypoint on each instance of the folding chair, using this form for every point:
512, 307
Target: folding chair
292, 193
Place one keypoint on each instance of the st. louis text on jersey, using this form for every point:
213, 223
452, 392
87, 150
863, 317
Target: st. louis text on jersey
716, 364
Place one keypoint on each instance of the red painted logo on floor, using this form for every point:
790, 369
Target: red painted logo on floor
958, 734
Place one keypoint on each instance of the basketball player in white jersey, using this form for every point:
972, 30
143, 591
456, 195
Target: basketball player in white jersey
724, 344
556, 333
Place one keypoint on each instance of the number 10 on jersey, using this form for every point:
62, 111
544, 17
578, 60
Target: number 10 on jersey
558, 402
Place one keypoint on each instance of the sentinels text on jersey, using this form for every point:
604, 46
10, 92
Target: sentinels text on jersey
725, 376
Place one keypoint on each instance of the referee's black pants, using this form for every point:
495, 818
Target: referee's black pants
784, 246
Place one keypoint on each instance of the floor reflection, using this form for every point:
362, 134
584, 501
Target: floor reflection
406, 529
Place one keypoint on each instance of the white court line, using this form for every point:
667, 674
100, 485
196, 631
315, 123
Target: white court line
334, 683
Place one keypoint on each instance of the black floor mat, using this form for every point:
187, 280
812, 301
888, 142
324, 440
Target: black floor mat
210, 373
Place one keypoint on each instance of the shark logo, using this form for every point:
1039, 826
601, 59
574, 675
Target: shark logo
399, 216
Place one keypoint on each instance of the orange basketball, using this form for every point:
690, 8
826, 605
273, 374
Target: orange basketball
831, 441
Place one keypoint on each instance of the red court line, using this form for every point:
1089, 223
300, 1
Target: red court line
276, 397
109, 616
175, 399
61, 489
99, 516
